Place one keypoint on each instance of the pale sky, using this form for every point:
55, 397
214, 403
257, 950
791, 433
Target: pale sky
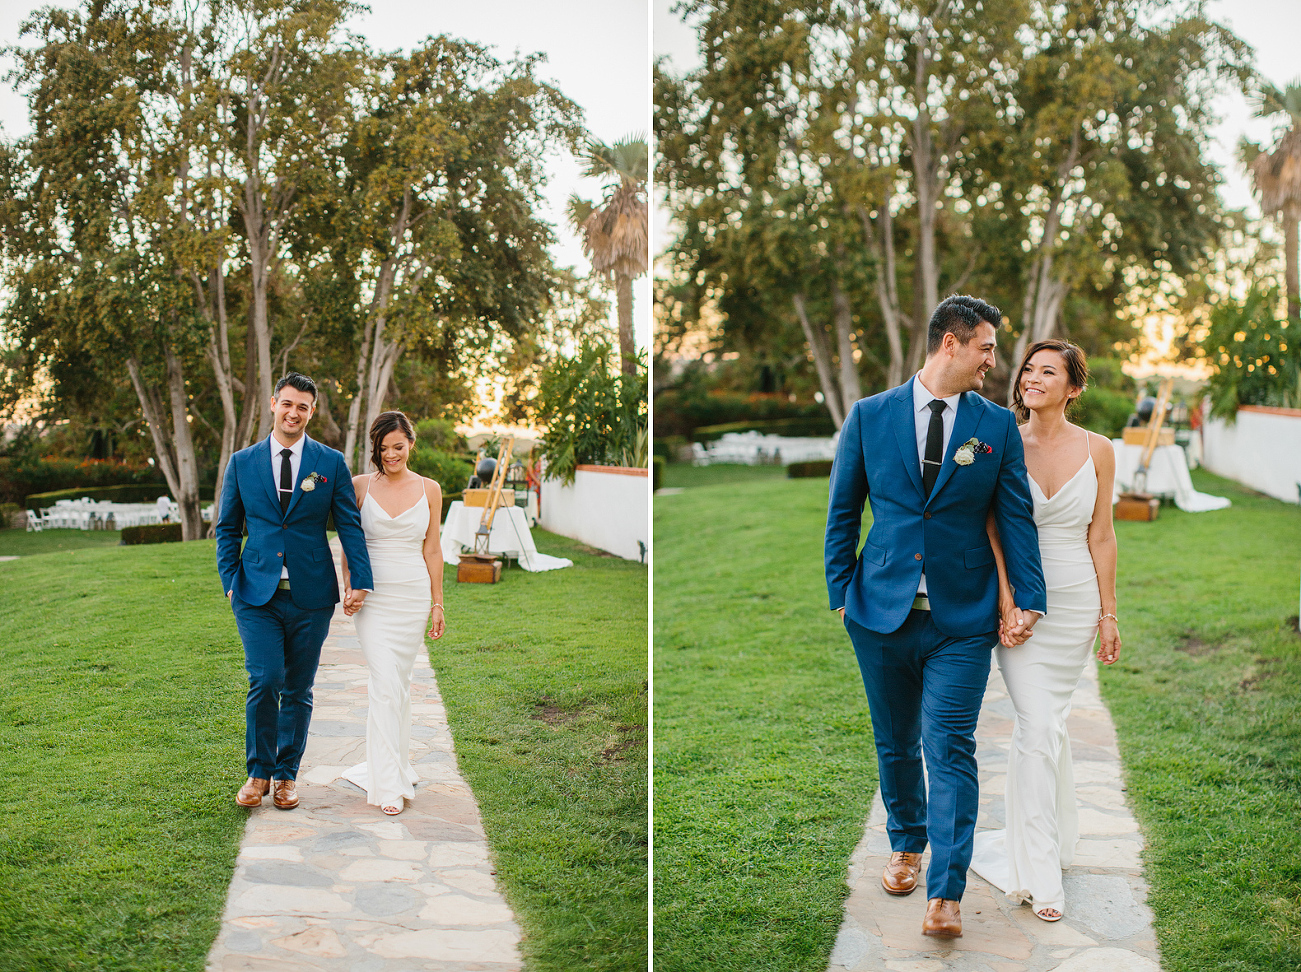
597, 55
1272, 27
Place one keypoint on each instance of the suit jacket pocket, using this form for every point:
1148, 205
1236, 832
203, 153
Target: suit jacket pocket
321, 553
979, 557
251, 556
874, 554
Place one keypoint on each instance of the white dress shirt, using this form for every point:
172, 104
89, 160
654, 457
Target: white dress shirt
922, 399
295, 462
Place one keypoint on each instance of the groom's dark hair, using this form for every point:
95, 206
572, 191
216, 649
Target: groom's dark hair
295, 380
959, 315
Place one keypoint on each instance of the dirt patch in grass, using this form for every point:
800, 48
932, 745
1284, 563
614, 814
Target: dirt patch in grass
1190, 643
546, 710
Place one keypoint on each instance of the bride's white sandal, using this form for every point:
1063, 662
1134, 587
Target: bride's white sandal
392, 811
1048, 914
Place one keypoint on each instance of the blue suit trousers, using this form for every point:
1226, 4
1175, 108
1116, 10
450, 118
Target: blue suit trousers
924, 689
282, 647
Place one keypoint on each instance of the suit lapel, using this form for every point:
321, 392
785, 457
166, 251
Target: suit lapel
905, 431
265, 473
306, 467
964, 427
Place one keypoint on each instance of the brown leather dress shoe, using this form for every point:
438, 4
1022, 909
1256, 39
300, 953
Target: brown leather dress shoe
252, 792
286, 794
943, 919
900, 875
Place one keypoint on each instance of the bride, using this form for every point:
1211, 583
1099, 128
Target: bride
400, 511
1071, 472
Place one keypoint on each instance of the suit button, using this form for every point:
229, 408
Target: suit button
917, 556
926, 516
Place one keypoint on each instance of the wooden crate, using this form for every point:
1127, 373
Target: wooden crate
479, 497
1137, 506
1137, 435
475, 570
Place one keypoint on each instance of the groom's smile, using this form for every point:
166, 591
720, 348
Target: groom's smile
291, 410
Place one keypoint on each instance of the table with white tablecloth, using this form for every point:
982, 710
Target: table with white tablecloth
510, 537
1167, 476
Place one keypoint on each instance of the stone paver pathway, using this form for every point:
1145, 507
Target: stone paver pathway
1107, 928
337, 886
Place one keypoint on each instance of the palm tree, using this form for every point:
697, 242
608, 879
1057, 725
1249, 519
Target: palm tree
1277, 175
614, 233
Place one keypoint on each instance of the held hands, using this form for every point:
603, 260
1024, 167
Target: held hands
352, 601
1109, 641
1015, 627
437, 623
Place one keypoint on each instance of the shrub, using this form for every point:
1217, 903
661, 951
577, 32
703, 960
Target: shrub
449, 471
809, 470
679, 411
116, 494
20, 477
152, 533
658, 472
796, 427
593, 414
1256, 356
1102, 411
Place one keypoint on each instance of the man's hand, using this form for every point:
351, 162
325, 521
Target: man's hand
352, 601
842, 615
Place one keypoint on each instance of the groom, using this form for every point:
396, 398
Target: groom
921, 600
282, 586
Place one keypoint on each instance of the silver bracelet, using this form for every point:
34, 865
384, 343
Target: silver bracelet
1105, 616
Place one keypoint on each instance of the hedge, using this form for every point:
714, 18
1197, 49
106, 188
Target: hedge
809, 470
818, 426
680, 411
152, 533
20, 477
658, 471
145, 493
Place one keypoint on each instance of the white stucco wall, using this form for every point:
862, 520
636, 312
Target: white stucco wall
1262, 449
607, 507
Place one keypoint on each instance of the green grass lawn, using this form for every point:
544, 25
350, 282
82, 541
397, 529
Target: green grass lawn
544, 676
121, 735
121, 742
764, 763
20, 543
1207, 703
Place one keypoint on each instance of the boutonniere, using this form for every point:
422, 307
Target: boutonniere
968, 451
309, 482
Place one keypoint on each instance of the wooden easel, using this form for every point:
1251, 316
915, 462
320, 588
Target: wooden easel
481, 566
1138, 504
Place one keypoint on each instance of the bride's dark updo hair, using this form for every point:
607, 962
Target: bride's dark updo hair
385, 423
1077, 373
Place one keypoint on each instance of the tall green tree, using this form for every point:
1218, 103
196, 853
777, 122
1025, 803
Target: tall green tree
615, 233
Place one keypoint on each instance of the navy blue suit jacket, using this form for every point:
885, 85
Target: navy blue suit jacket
295, 539
876, 460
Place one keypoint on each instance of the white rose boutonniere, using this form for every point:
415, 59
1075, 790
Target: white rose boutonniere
967, 452
309, 482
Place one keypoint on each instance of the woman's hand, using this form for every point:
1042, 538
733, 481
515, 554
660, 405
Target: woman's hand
1109, 645
437, 623
1010, 621
348, 608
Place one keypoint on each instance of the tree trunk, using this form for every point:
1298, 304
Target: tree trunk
850, 389
218, 354
187, 466
173, 447
821, 361
1291, 216
627, 346
329, 430
887, 290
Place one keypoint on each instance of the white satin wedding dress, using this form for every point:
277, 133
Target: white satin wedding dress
1042, 822
391, 627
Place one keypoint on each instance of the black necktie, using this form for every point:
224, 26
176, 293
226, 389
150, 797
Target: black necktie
934, 446
287, 478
